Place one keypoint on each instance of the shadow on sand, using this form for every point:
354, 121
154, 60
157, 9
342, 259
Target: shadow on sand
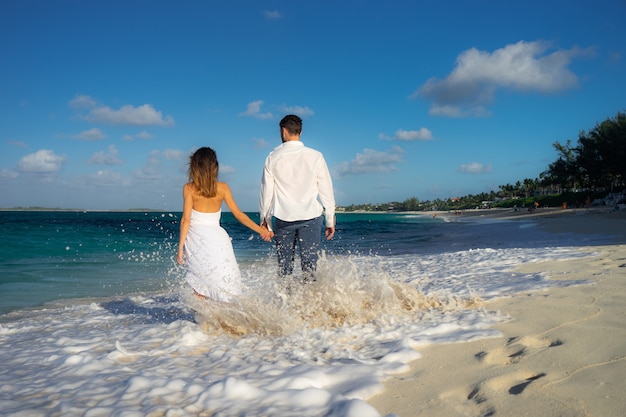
152, 313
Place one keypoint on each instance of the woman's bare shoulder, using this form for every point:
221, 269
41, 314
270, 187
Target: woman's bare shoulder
189, 187
222, 186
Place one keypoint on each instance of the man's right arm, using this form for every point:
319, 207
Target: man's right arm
327, 196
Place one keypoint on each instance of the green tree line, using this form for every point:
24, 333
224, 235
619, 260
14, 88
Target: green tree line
594, 166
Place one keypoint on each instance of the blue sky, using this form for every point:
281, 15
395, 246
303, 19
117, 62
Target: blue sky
103, 101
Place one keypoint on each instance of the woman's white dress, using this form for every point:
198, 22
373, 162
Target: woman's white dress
212, 269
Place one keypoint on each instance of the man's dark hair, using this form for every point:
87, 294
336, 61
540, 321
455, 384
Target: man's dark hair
292, 123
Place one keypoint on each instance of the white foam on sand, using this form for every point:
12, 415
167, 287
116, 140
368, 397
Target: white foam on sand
320, 349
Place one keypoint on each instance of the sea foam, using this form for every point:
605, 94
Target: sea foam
284, 349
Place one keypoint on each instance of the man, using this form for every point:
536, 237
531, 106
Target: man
296, 189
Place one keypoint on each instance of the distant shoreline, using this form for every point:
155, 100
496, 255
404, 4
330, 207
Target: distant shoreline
494, 213
84, 210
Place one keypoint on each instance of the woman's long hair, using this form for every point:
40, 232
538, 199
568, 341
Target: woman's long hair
203, 169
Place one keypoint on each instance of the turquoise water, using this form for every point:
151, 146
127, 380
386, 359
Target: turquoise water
55, 255
59, 255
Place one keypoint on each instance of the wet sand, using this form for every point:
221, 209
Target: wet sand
563, 352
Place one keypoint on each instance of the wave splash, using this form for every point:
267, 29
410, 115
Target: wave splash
347, 291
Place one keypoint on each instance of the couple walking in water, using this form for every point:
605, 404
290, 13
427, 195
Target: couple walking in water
296, 194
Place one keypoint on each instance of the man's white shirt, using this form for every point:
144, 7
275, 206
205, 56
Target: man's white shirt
294, 177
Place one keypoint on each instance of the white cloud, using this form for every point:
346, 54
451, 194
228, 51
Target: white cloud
155, 169
81, 101
524, 66
151, 171
145, 115
173, 154
458, 111
18, 143
8, 173
475, 168
108, 178
409, 135
297, 110
106, 158
261, 143
370, 161
272, 14
141, 135
226, 169
144, 135
254, 110
43, 161
90, 135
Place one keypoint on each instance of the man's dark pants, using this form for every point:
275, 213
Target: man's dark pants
303, 233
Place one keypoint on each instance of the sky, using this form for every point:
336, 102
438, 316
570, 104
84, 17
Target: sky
102, 102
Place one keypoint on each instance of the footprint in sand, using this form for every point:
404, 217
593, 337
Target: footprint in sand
515, 382
515, 349
519, 388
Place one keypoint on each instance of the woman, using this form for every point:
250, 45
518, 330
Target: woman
212, 269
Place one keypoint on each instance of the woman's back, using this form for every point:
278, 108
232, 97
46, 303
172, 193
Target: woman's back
207, 204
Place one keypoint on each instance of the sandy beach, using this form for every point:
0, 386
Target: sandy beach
563, 352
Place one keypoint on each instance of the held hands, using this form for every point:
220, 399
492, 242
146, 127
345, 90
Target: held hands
330, 232
266, 235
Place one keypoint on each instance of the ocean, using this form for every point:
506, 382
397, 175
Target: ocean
96, 318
